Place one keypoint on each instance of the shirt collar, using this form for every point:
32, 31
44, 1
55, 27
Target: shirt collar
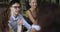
14, 17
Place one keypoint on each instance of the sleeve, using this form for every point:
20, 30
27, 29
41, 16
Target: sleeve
28, 26
37, 27
10, 26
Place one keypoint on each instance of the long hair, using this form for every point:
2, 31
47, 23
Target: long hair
4, 17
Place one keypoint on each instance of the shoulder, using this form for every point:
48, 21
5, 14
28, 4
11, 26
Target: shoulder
21, 16
28, 11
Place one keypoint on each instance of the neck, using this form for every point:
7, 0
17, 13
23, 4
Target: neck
12, 14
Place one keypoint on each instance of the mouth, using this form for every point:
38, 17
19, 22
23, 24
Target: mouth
17, 11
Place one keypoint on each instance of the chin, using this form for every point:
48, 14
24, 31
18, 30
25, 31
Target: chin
17, 13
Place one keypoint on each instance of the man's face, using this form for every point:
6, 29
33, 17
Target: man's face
15, 8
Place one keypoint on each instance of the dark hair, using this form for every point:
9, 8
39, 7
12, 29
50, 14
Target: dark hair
14, 1
6, 15
10, 4
27, 5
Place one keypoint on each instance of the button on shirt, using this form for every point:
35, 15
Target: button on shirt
12, 23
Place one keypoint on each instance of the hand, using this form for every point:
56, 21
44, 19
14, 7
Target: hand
19, 22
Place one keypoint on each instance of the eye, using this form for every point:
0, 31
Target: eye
16, 6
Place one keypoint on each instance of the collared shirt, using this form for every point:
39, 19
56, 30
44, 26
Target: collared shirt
12, 23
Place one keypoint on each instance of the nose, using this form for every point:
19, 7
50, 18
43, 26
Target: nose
18, 9
35, 4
